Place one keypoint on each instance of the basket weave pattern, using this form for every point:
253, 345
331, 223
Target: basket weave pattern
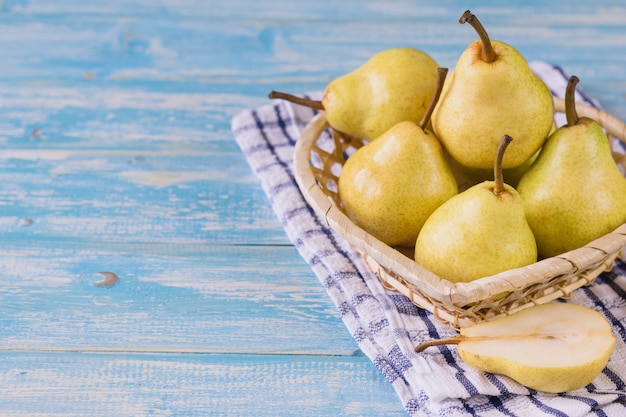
319, 156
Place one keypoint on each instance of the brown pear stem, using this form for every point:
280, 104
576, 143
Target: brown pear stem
488, 54
441, 78
314, 104
570, 101
454, 340
498, 177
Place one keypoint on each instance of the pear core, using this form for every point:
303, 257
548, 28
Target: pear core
554, 347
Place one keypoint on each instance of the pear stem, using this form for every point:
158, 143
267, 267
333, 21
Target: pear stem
498, 177
314, 104
570, 101
454, 340
441, 78
488, 54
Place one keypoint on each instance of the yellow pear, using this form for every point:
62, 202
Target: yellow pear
574, 192
394, 85
472, 176
492, 91
555, 347
391, 185
479, 232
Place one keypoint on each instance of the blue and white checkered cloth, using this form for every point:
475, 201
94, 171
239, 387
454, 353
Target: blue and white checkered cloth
387, 326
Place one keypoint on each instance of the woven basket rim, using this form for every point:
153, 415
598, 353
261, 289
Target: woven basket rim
594, 253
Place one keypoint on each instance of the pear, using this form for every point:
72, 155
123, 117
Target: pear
394, 85
471, 176
391, 185
492, 90
479, 232
574, 192
555, 347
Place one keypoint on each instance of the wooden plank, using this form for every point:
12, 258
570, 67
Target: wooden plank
96, 116
130, 196
174, 49
169, 298
52, 384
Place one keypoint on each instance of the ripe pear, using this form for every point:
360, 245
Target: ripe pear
574, 192
479, 232
555, 347
492, 90
394, 85
471, 176
391, 185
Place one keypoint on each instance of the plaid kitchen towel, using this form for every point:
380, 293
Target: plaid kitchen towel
387, 326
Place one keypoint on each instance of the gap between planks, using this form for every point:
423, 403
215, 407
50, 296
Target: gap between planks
119, 351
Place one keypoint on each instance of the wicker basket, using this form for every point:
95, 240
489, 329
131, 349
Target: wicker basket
319, 156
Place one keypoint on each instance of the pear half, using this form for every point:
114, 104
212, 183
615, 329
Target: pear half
554, 347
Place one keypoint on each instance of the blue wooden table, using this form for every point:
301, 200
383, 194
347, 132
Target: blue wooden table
117, 162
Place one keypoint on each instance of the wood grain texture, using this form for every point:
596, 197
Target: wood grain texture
116, 196
68, 384
168, 298
116, 155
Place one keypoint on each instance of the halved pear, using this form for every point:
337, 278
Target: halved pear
554, 347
